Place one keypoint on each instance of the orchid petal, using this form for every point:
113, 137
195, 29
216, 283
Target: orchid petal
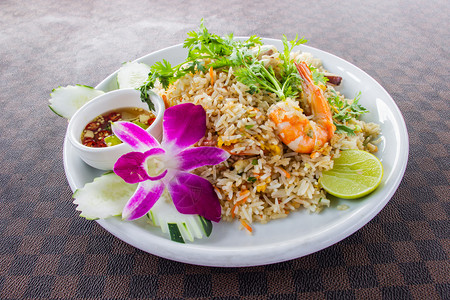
193, 194
184, 124
135, 136
196, 157
146, 195
131, 166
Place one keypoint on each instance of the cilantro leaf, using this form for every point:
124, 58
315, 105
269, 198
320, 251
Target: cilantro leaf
344, 111
207, 50
341, 128
145, 97
257, 77
251, 179
318, 77
288, 46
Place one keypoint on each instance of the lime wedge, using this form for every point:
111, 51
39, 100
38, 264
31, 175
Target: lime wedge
355, 174
112, 140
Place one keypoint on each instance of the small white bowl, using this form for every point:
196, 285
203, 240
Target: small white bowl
105, 158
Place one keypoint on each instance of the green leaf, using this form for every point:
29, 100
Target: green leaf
224, 52
288, 46
251, 179
318, 77
344, 111
340, 128
193, 67
145, 97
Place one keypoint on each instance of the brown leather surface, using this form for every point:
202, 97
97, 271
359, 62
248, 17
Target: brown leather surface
48, 251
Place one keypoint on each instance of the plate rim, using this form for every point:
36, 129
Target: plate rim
193, 253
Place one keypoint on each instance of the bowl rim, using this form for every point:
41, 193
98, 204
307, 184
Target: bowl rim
76, 142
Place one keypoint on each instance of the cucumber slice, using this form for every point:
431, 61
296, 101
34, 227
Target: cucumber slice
179, 226
65, 101
206, 226
108, 194
132, 75
175, 234
105, 197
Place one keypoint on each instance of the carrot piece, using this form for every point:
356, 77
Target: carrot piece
218, 193
211, 74
246, 226
166, 104
239, 203
286, 173
256, 175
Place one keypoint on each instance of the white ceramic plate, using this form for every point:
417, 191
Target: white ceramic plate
301, 233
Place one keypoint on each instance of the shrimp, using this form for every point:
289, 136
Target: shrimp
293, 128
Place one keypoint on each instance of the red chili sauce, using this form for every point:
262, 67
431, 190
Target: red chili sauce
97, 130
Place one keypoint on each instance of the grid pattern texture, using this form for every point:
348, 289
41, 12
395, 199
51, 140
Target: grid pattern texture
47, 251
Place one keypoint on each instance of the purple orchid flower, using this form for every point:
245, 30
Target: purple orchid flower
158, 166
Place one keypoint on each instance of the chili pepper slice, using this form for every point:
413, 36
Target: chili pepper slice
150, 121
89, 142
93, 126
102, 134
114, 116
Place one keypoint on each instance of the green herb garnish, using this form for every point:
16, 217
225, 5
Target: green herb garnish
253, 73
251, 179
318, 77
344, 111
224, 52
201, 45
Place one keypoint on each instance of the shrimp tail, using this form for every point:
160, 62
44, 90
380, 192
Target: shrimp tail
298, 132
305, 72
319, 105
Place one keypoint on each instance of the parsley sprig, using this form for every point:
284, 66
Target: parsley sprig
318, 77
254, 74
201, 45
224, 52
344, 111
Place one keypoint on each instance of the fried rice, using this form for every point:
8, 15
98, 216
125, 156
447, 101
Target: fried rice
263, 179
